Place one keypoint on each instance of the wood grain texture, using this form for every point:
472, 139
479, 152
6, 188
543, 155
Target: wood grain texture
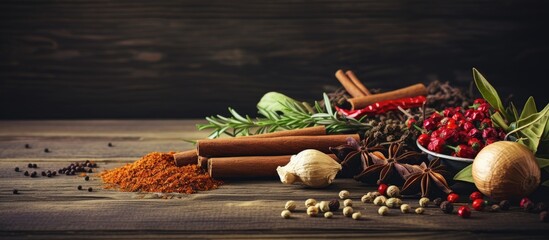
188, 59
53, 208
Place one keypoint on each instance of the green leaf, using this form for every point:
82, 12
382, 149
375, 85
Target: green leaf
465, 174
488, 92
542, 162
531, 128
529, 108
499, 121
327, 103
274, 101
512, 112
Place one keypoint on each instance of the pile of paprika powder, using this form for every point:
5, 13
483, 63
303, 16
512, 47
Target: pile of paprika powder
157, 172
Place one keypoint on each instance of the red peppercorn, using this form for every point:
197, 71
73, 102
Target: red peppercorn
475, 195
452, 197
423, 139
523, 201
478, 204
464, 212
382, 188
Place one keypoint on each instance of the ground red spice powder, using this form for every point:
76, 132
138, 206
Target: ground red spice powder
156, 172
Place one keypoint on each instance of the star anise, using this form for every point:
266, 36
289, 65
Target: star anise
349, 153
422, 177
389, 169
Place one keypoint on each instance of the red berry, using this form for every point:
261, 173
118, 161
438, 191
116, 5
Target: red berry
475, 195
423, 139
436, 145
410, 122
382, 188
452, 197
464, 212
523, 201
478, 204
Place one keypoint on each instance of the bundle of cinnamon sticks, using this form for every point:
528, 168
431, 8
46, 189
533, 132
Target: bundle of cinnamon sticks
257, 156
361, 96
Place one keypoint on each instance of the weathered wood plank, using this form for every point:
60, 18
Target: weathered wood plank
54, 208
182, 59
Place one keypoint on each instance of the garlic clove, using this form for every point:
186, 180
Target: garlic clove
311, 167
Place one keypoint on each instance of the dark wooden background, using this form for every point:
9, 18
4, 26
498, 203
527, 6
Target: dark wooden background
187, 59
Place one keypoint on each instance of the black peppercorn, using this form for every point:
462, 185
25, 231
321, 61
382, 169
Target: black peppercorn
540, 207
437, 201
44, 174
49, 175
87, 178
34, 174
90, 189
29, 165
54, 173
94, 165
17, 169
447, 207
67, 173
15, 191
26, 173
34, 165
528, 207
110, 144
79, 187
333, 205
543, 216
27, 146
494, 208
90, 170
46, 150
504, 205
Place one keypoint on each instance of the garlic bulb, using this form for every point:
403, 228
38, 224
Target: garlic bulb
506, 170
310, 167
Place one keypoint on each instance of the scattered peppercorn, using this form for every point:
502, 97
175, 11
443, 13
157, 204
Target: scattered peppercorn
43, 174
79, 187
26, 173
90, 170
495, 208
437, 201
87, 178
34, 165
334, 205
46, 150
523, 201
543, 216
15, 191
464, 212
504, 205
27, 146
29, 165
17, 169
452, 197
33, 174
447, 207
49, 175
110, 145
54, 173
540, 207
90, 189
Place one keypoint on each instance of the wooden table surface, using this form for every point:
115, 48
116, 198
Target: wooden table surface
54, 208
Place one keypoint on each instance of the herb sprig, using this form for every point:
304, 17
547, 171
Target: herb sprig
290, 114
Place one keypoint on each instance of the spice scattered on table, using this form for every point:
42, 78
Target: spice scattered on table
79, 187
46, 150
87, 178
17, 169
15, 191
90, 189
156, 172
27, 146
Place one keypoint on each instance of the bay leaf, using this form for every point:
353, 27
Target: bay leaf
466, 174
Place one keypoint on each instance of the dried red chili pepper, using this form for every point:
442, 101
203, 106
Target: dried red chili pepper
384, 106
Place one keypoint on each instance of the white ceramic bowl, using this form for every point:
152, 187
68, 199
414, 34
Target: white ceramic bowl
452, 164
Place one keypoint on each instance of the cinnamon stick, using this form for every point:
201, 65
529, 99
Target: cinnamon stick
358, 83
410, 91
248, 166
191, 156
348, 84
202, 162
269, 146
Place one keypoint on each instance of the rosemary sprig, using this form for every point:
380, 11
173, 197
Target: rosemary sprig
295, 116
